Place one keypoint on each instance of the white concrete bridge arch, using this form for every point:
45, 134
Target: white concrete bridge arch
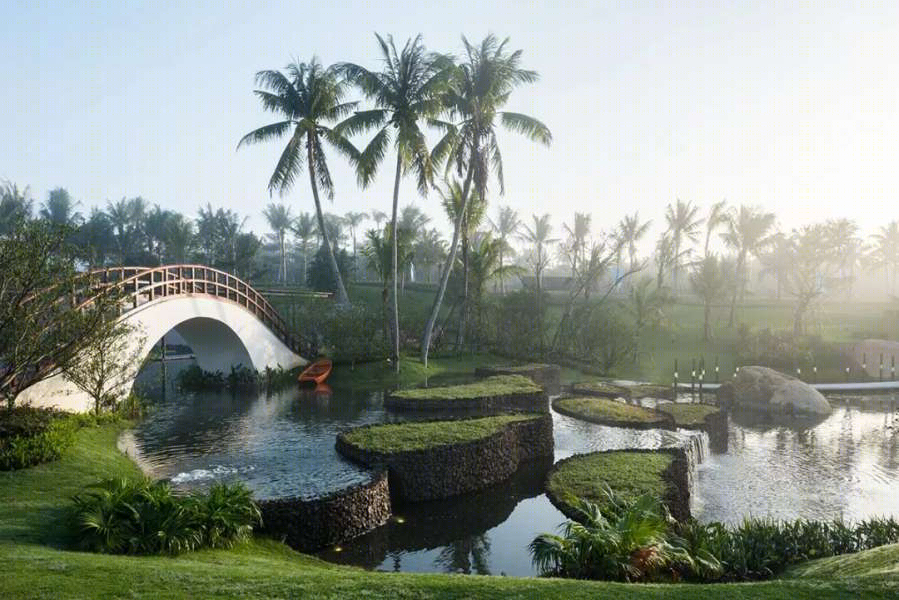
224, 320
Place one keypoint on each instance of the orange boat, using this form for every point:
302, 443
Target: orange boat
317, 372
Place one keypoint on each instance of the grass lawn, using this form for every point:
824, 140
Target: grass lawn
381, 375
33, 565
688, 415
499, 385
608, 411
630, 474
402, 437
601, 388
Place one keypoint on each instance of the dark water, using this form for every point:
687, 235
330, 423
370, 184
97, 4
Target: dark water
283, 445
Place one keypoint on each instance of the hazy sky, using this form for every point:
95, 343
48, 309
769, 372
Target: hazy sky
790, 105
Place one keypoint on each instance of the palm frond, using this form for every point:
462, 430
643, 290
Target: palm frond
275, 130
530, 127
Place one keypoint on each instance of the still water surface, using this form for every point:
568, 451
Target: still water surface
283, 445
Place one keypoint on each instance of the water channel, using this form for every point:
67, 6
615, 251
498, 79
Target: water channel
283, 445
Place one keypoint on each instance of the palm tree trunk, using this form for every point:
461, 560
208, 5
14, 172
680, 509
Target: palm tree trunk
502, 276
342, 298
445, 274
739, 284
395, 311
463, 313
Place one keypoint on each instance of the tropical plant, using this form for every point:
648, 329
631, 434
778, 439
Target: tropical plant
406, 93
140, 516
576, 245
481, 85
885, 252
429, 251
303, 228
683, 225
308, 97
31, 436
505, 226
15, 206
647, 305
622, 541
59, 209
811, 259
748, 234
353, 220
126, 217
631, 232
279, 220
708, 280
719, 215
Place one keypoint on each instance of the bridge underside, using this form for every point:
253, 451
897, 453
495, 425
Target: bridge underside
222, 334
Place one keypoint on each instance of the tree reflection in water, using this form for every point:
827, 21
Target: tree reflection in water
466, 555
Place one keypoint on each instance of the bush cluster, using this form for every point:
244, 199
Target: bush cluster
128, 516
195, 379
31, 436
785, 351
635, 540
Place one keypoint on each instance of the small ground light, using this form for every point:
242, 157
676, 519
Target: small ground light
399, 520
338, 549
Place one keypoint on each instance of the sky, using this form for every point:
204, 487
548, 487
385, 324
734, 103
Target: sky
791, 106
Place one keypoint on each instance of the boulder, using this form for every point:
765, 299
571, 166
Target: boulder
762, 388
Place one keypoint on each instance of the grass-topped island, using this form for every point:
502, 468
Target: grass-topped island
502, 392
438, 459
703, 417
606, 411
629, 473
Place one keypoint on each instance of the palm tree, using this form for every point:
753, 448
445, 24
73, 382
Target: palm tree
207, 232
505, 226
15, 206
480, 87
304, 228
179, 238
683, 224
154, 228
453, 202
413, 221
279, 220
378, 217
406, 93
429, 251
707, 281
538, 237
577, 238
748, 233
308, 97
353, 220
127, 219
847, 249
632, 231
59, 209
776, 260
719, 215
885, 253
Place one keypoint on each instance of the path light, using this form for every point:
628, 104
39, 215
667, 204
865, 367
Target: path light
338, 549
399, 520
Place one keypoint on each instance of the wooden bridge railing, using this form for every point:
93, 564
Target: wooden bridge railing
141, 285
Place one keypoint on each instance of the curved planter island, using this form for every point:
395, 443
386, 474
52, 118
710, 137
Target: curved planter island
439, 459
501, 392
663, 473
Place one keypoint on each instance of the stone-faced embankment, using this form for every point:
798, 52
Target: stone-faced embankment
664, 473
502, 392
546, 376
311, 524
422, 466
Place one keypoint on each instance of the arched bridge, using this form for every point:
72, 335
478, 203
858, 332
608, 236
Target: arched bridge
222, 318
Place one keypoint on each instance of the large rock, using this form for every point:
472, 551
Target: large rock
762, 388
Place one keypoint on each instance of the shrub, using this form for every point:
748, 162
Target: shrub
622, 541
320, 277
125, 516
31, 436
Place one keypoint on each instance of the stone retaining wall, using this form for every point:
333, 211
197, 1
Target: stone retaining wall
311, 524
676, 476
521, 402
449, 470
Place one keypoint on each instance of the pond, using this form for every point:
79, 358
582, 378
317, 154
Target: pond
283, 445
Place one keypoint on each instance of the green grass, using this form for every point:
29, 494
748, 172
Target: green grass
631, 474
381, 375
601, 388
32, 566
606, 410
876, 564
499, 385
402, 437
688, 415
